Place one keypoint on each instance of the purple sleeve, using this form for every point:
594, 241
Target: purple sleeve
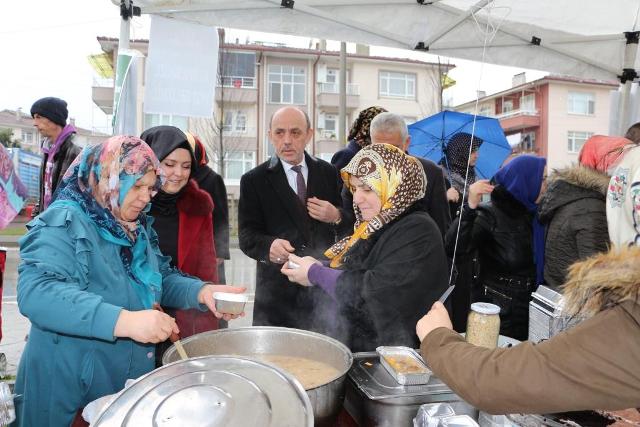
325, 277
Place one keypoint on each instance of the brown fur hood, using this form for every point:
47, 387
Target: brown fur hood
603, 281
582, 176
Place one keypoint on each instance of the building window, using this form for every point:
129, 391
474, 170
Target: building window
237, 163
576, 140
330, 122
528, 103
507, 106
333, 75
234, 121
581, 103
151, 120
485, 110
27, 137
238, 69
286, 84
397, 85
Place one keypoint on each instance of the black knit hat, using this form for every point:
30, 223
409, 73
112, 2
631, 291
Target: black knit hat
54, 109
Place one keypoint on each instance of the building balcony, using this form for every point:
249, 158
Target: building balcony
102, 94
328, 95
236, 95
518, 120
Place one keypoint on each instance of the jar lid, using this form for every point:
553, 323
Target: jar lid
485, 308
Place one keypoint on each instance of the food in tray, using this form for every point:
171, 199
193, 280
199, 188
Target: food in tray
405, 364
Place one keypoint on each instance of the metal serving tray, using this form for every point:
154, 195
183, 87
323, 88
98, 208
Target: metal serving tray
422, 374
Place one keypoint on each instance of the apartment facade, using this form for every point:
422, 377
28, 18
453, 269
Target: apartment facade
30, 138
255, 80
551, 117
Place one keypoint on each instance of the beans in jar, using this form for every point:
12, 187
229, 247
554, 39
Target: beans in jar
483, 325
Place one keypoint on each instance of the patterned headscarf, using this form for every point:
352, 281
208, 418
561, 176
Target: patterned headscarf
602, 152
359, 131
457, 155
397, 178
97, 182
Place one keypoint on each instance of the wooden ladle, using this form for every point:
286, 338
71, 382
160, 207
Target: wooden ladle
174, 338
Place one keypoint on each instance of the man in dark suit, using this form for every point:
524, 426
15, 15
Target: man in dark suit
288, 205
390, 128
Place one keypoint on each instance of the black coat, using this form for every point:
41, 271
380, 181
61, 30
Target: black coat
341, 158
269, 209
212, 183
574, 209
501, 233
390, 281
434, 201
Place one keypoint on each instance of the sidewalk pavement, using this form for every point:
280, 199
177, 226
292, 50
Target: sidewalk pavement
15, 328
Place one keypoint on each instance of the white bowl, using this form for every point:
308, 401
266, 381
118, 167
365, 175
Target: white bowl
229, 303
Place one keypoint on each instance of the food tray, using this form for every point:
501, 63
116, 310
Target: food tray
404, 364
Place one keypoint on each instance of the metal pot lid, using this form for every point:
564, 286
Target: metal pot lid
211, 391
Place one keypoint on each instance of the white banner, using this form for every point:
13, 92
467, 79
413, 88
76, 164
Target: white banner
181, 68
125, 94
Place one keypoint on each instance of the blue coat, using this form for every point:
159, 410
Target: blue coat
72, 287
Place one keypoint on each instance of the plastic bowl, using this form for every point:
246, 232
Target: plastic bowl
229, 303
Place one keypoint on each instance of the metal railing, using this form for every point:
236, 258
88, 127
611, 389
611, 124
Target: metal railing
516, 113
238, 82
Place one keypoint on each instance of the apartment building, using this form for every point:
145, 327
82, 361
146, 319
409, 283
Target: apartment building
257, 79
552, 116
28, 135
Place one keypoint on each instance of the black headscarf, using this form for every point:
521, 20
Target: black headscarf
163, 140
457, 156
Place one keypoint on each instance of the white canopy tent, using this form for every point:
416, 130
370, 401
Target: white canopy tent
583, 38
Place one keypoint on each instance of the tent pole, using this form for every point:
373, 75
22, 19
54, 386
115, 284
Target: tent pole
342, 107
123, 41
626, 79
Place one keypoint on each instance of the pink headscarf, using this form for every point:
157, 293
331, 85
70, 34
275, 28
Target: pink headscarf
602, 152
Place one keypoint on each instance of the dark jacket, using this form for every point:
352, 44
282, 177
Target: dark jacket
341, 158
269, 209
501, 231
593, 365
434, 201
574, 208
212, 183
66, 154
389, 281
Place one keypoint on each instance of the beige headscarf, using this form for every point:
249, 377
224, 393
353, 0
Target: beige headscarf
397, 178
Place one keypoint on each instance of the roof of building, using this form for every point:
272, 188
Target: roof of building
539, 82
13, 118
108, 44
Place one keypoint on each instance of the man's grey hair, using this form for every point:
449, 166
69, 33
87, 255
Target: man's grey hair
389, 123
306, 116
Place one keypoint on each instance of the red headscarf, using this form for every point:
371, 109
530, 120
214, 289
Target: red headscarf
602, 152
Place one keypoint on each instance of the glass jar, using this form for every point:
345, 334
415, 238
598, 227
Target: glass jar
483, 325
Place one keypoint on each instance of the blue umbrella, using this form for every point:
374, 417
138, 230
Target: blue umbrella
430, 137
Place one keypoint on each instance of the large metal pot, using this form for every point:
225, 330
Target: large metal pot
326, 399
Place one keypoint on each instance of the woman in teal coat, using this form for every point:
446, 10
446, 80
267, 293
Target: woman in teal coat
90, 273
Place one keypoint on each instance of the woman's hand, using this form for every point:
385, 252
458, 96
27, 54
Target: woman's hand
452, 195
476, 190
437, 317
299, 274
145, 326
205, 296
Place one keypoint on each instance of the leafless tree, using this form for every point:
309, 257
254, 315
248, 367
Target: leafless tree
220, 139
